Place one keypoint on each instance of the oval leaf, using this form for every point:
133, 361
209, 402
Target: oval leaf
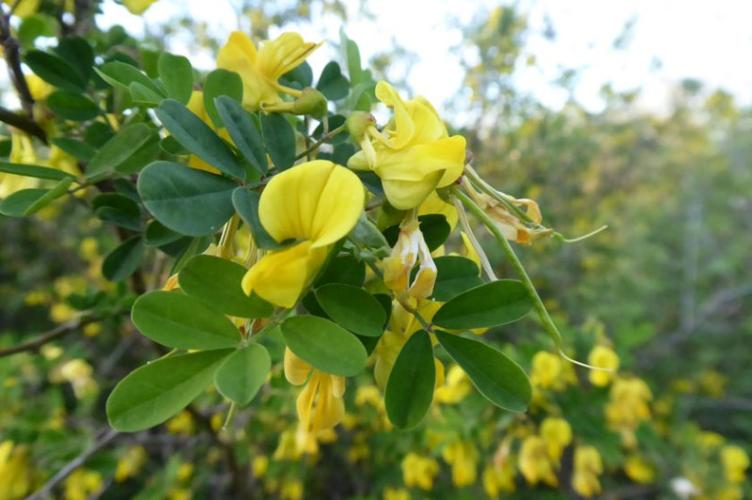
221, 82
246, 203
33, 171
29, 201
124, 260
196, 136
279, 138
186, 200
243, 373
176, 74
244, 130
454, 275
155, 392
72, 105
497, 378
487, 305
180, 321
409, 389
324, 344
127, 151
352, 308
217, 282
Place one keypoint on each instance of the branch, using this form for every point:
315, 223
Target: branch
45, 491
13, 59
22, 123
49, 336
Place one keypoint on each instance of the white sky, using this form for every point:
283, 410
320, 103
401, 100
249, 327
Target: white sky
710, 40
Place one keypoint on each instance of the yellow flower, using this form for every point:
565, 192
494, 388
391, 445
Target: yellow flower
549, 371
22, 151
396, 494
735, 463
557, 433
414, 154
410, 249
628, 406
292, 489
315, 203
535, 464
638, 469
419, 471
24, 8
320, 405
130, 463
463, 457
182, 424
433, 204
39, 88
498, 480
78, 373
587, 467
456, 387
261, 69
82, 484
15, 474
137, 7
603, 357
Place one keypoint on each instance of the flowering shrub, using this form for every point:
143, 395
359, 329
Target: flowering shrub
279, 247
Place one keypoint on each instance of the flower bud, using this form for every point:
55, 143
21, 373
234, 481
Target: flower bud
311, 102
357, 124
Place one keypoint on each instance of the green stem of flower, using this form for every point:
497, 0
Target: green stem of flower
324, 138
548, 324
230, 416
498, 196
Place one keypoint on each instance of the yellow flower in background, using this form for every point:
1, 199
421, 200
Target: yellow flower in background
463, 457
38, 88
137, 7
24, 8
735, 463
16, 477
410, 249
130, 463
78, 373
628, 406
320, 405
603, 357
181, 424
497, 481
414, 154
419, 471
549, 371
455, 389
396, 494
259, 465
638, 469
587, 467
261, 69
82, 484
534, 462
292, 489
316, 204
557, 433
22, 151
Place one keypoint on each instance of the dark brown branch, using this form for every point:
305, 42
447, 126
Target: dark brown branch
22, 123
51, 335
46, 491
13, 59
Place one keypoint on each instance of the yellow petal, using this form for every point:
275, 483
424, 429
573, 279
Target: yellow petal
296, 370
433, 204
137, 6
283, 54
240, 55
405, 195
403, 127
281, 276
317, 201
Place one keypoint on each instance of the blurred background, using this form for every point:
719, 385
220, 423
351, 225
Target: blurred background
632, 114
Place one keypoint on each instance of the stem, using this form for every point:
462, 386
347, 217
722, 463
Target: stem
476, 244
13, 59
230, 416
540, 308
498, 196
321, 141
22, 123
49, 336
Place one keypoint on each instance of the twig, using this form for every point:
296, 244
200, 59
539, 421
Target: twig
316, 145
45, 491
13, 59
49, 336
22, 123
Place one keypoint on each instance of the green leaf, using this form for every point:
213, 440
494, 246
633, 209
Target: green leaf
29, 201
54, 70
332, 84
141, 94
34, 26
434, 227
33, 171
78, 149
221, 82
243, 373
487, 305
155, 392
196, 136
497, 378
454, 275
299, 77
279, 138
180, 321
189, 201
157, 235
343, 269
217, 281
409, 389
72, 106
118, 209
120, 74
244, 130
77, 52
353, 308
127, 151
176, 74
246, 202
324, 345
124, 260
